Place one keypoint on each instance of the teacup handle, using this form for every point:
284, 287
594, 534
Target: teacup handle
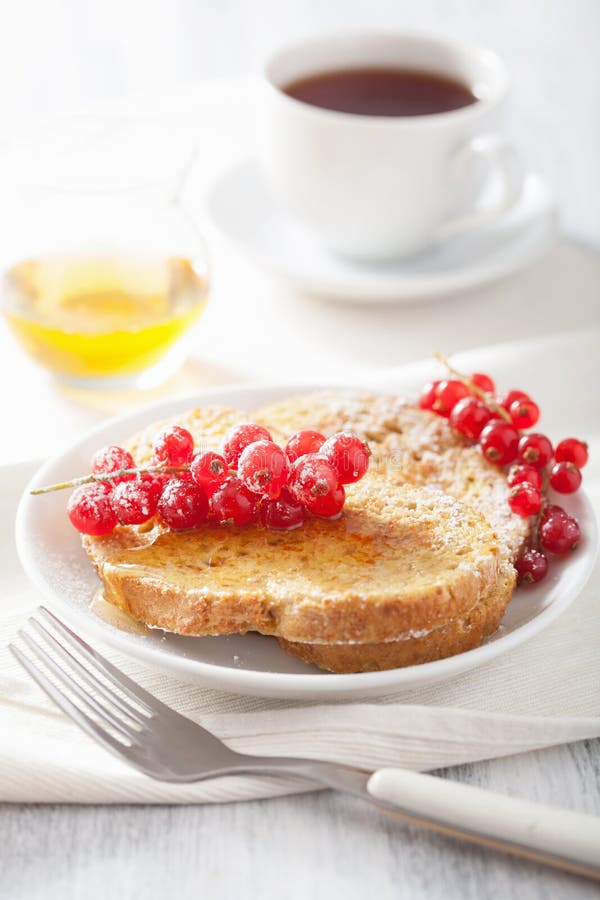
501, 157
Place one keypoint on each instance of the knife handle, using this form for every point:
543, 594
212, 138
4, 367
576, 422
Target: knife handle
545, 834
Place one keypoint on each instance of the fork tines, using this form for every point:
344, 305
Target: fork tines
88, 688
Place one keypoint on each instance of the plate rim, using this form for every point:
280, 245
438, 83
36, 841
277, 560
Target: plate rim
256, 682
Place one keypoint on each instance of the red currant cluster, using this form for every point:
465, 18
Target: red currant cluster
497, 424
253, 477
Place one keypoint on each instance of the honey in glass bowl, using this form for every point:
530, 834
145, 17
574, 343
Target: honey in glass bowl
104, 269
96, 316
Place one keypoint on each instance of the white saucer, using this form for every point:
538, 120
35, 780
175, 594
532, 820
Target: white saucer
51, 553
241, 208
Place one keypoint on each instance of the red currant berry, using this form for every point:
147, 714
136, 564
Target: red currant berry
113, 459
233, 504
447, 395
565, 477
209, 470
573, 451
531, 567
284, 513
428, 395
519, 474
524, 413
535, 450
154, 481
311, 477
159, 479
470, 416
238, 437
348, 455
508, 399
551, 509
330, 506
90, 511
264, 468
174, 446
303, 442
182, 505
559, 533
134, 502
499, 442
525, 500
483, 382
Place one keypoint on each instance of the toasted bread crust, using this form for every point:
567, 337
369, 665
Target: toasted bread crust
456, 636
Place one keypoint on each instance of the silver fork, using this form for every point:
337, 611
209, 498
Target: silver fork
167, 746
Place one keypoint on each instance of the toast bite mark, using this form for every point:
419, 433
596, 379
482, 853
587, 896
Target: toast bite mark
409, 445
455, 636
400, 558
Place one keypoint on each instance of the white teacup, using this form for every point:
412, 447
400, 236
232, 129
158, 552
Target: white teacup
377, 187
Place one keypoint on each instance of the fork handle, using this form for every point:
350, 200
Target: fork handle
546, 834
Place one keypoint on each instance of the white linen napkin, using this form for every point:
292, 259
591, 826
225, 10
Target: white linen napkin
547, 691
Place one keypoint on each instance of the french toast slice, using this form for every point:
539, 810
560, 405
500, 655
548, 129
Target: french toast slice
418, 447
455, 636
400, 558
408, 574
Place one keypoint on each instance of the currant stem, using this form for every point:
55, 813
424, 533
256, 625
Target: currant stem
534, 540
107, 476
475, 389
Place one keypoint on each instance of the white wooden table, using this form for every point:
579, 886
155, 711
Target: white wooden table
321, 845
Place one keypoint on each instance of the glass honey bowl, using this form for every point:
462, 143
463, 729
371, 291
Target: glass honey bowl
108, 272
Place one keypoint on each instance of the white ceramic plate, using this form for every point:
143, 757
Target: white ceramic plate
52, 556
242, 209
